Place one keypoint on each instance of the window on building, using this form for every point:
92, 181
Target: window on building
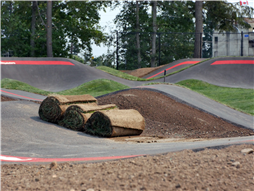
216, 39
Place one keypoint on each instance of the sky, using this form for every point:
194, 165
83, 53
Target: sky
107, 22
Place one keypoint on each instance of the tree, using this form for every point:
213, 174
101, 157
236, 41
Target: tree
177, 36
173, 17
49, 29
70, 20
199, 29
218, 15
33, 23
15, 33
175, 29
154, 14
137, 34
129, 34
224, 16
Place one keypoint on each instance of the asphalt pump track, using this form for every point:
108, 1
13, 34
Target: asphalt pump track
26, 138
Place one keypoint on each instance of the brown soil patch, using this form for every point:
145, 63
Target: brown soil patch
166, 119
210, 169
141, 72
4, 98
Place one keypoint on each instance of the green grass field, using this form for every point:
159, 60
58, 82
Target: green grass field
119, 74
95, 87
236, 98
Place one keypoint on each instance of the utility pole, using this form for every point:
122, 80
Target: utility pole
49, 29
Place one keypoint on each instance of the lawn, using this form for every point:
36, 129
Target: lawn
236, 98
95, 87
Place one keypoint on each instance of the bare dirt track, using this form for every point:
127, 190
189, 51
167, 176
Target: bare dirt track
210, 169
228, 168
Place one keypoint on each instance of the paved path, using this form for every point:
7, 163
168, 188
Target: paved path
26, 138
54, 76
227, 72
25, 135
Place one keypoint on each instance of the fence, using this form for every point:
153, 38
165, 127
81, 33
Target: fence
174, 46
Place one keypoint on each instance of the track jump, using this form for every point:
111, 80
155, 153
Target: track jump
26, 138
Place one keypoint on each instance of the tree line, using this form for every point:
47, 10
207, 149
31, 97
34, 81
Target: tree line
75, 26
177, 25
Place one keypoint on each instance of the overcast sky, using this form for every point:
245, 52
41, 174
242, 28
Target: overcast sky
107, 22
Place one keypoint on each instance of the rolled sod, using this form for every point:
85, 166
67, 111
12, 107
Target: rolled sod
90, 107
53, 107
76, 116
113, 123
74, 120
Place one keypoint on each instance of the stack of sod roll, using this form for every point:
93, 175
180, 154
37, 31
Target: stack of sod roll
53, 107
113, 123
81, 113
76, 116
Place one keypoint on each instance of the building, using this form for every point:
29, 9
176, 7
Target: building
240, 43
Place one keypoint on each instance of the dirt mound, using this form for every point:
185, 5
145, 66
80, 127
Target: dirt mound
168, 118
141, 72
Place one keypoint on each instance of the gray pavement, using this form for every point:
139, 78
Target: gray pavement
18, 94
24, 134
57, 77
172, 67
226, 75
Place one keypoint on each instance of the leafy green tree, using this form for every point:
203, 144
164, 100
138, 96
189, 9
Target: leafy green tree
224, 16
172, 18
72, 21
176, 30
15, 34
221, 16
126, 22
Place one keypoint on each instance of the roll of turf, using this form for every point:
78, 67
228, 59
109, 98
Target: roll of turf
113, 123
74, 120
91, 107
53, 107
76, 116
